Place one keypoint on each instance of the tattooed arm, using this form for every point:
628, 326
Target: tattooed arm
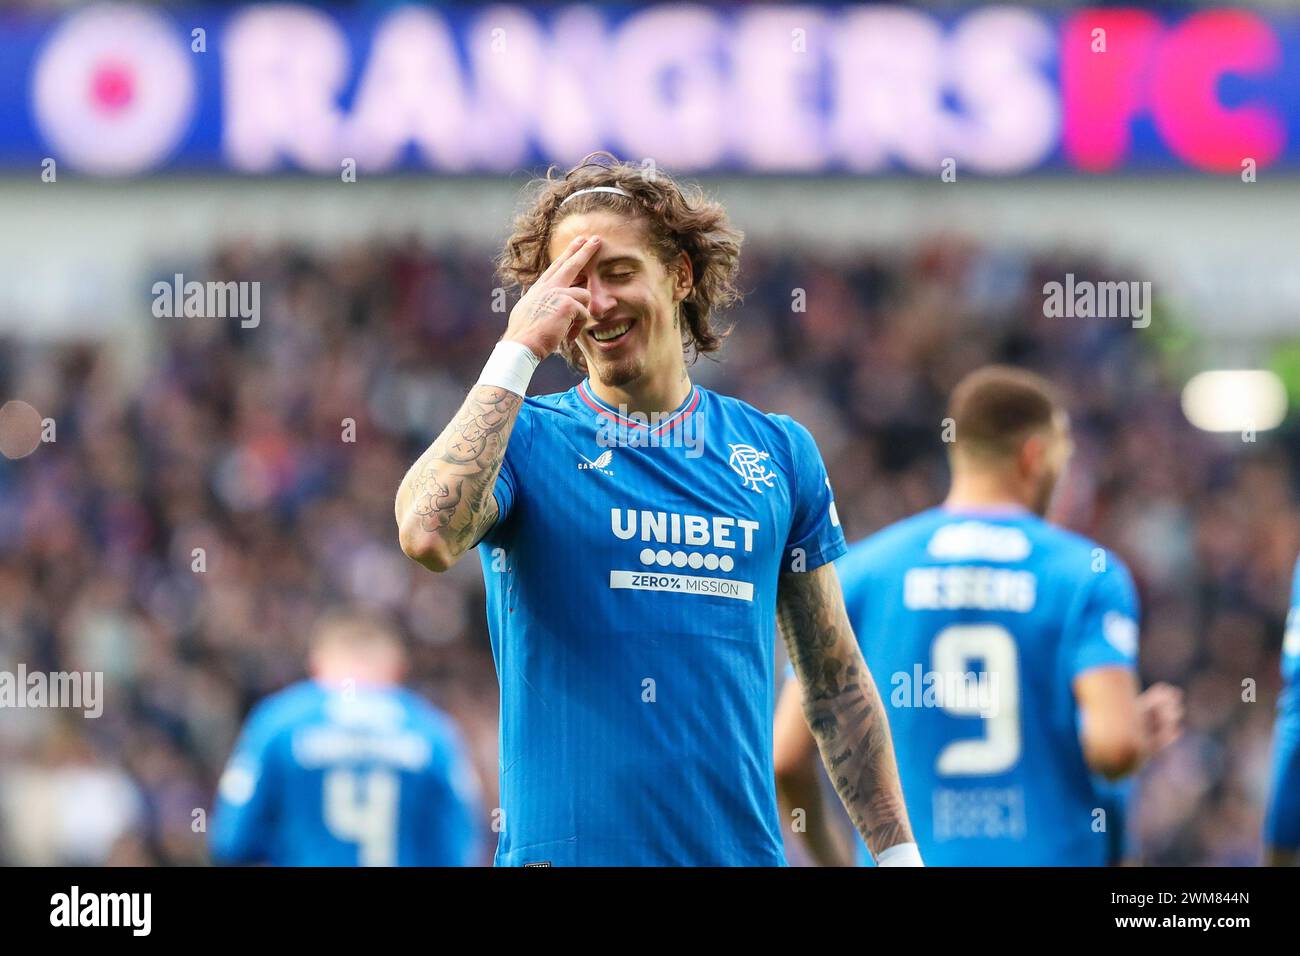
842, 707
445, 503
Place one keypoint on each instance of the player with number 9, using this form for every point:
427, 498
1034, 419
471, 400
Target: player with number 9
1010, 646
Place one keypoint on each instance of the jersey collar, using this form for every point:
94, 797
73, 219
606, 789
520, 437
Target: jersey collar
688, 405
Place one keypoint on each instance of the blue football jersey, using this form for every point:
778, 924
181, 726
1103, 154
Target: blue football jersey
631, 599
347, 777
974, 626
1282, 822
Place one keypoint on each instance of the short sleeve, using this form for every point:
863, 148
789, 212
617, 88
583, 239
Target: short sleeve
816, 537
1105, 632
506, 489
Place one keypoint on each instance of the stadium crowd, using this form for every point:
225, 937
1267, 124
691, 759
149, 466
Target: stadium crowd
213, 486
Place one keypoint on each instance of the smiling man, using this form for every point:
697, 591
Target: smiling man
634, 592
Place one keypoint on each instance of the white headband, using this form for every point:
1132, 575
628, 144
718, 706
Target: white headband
596, 189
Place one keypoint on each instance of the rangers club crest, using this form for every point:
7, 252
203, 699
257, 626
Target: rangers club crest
748, 462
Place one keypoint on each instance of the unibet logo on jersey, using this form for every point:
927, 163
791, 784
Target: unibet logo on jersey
705, 542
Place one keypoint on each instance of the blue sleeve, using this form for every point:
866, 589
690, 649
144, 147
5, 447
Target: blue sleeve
816, 537
513, 465
244, 817
1105, 630
455, 803
1105, 634
1282, 820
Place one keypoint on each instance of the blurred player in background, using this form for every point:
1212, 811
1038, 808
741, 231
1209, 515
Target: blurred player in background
1282, 823
1012, 649
642, 540
348, 768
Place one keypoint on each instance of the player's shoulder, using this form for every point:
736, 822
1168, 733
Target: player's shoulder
771, 432
945, 535
547, 414
550, 401
1075, 549
551, 405
778, 422
906, 535
424, 715
285, 709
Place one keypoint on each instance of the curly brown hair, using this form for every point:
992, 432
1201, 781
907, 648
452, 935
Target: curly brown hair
675, 219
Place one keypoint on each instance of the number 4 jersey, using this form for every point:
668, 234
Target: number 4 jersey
347, 777
631, 598
974, 626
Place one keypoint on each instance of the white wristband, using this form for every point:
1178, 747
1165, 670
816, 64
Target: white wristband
510, 366
900, 854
